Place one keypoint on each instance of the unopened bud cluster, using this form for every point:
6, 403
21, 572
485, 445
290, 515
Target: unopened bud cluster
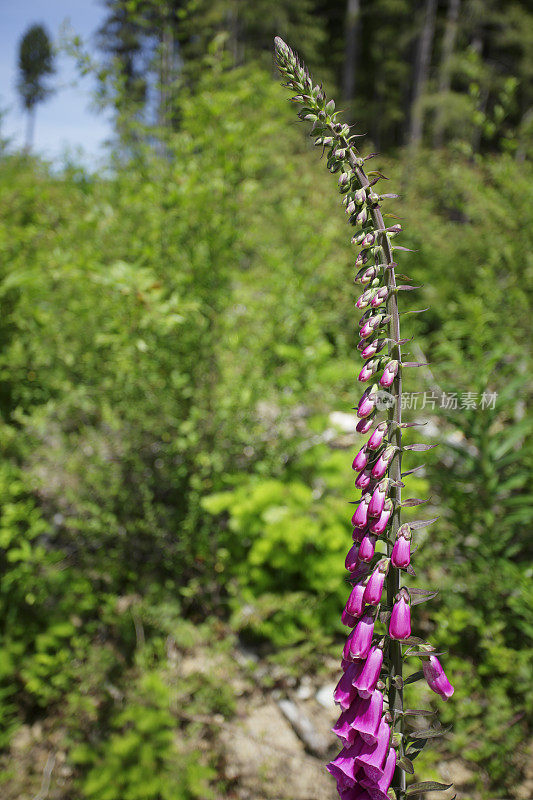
378, 609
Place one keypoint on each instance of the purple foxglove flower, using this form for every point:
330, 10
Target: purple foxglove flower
382, 464
377, 501
367, 403
364, 300
358, 533
348, 620
343, 766
352, 561
360, 517
359, 641
345, 692
367, 547
369, 349
364, 425
401, 552
379, 297
436, 677
377, 437
353, 792
362, 217
379, 525
400, 621
364, 479
366, 680
389, 373
378, 791
361, 459
371, 757
367, 718
374, 586
354, 605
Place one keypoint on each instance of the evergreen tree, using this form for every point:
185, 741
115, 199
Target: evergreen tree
35, 63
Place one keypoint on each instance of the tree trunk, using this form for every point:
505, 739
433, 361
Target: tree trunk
423, 60
448, 44
30, 128
353, 8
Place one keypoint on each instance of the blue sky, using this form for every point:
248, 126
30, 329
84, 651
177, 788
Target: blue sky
65, 121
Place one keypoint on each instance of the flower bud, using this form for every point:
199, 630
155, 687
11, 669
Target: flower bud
382, 464
369, 349
344, 179
363, 479
377, 501
389, 373
369, 369
360, 517
367, 547
359, 196
401, 551
374, 585
380, 297
400, 621
368, 240
436, 677
371, 325
379, 525
362, 216
354, 605
364, 425
377, 437
366, 679
361, 459
366, 274
359, 641
367, 402
352, 561
350, 208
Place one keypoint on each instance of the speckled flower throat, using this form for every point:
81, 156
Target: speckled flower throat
377, 748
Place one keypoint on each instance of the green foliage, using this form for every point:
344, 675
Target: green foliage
175, 334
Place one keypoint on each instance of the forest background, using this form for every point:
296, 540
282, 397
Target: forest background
178, 371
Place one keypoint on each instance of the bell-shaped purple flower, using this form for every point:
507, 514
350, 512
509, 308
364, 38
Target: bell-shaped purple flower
343, 767
355, 605
360, 517
361, 459
400, 621
374, 585
367, 718
377, 501
401, 551
367, 547
378, 791
389, 373
345, 692
366, 680
382, 464
358, 642
371, 757
348, 619
379, 525
378, 435
436, 677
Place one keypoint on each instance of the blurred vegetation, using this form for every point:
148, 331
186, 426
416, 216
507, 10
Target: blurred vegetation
175, 333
